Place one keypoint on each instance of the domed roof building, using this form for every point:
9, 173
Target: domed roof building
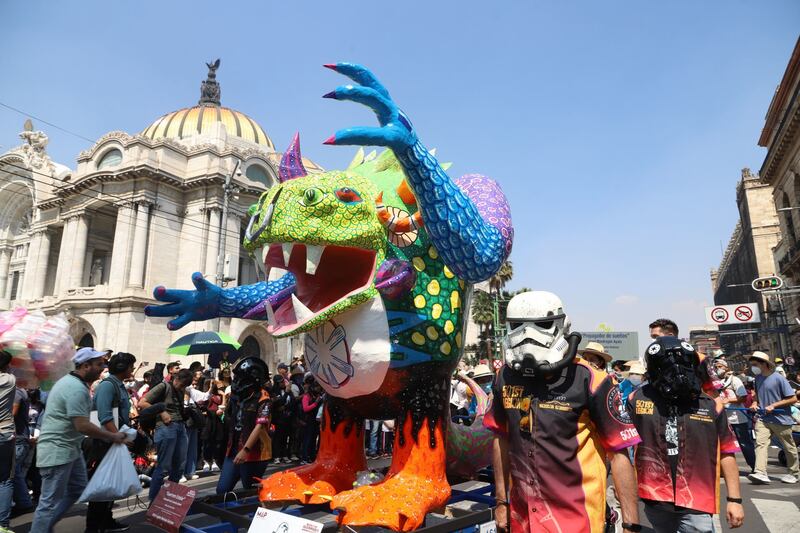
138, 211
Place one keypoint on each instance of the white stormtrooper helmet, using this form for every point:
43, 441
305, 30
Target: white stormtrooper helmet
537, 330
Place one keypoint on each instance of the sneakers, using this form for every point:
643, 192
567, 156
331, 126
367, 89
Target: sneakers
789, 478
114, 526
214, 467
206, 468
295, 458
195, 476
182, 479
759, 478
5, 530
277, 461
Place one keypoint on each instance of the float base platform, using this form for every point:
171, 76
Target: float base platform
471, 505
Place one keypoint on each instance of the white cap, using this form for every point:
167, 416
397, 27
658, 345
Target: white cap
87, 354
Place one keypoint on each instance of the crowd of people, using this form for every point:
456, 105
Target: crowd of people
238, 418
234, 419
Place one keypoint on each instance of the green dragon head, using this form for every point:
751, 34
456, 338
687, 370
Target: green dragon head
324, 229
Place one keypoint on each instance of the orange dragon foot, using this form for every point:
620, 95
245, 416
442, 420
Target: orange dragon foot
340, 457
415, 485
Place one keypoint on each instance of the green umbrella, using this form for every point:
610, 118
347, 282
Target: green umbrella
203, 342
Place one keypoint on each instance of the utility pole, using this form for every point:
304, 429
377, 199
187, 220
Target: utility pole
227, 192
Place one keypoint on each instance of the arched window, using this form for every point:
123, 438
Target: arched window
111, 158
86, 341
258, 174
250, 348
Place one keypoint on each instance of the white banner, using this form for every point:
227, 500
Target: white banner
269, 521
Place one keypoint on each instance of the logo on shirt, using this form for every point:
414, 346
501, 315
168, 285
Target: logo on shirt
615, 404
644, 407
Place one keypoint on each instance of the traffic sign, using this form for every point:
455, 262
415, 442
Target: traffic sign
746, 313
498, 364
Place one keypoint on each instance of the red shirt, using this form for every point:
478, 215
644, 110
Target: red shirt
558, 432
703, 434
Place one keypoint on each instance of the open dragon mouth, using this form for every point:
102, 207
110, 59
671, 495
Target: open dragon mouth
325, 276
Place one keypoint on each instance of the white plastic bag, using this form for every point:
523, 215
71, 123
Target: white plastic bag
115, 477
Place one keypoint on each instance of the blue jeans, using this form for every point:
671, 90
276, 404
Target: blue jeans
191, 452
744, 435
664, 521
231, 473
22, 500
170, 444
62, 485
6, 480
374, 431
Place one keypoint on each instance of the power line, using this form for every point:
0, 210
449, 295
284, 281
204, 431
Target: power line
25, 114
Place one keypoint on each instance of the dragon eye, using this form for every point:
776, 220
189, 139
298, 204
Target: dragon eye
348, 195
312, 196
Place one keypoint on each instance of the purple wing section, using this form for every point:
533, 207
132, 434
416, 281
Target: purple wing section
491, 203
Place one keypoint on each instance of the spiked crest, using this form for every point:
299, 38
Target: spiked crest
291, 166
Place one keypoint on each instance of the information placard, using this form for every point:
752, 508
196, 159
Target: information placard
269, 521
171, 506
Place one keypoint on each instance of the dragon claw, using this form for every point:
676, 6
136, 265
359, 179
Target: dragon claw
331, 95
330, 140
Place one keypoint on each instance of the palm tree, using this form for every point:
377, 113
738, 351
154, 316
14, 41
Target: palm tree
483, 315
501, 277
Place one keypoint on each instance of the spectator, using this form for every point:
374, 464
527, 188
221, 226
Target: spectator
65, 422
283, 412
283, 371
373, 431
249, 447
172, 369
296, 377
663, 327
8, 386
35, 417
483, 377
733, 395
388, 437
618, 368
595, 355
166, 400
194, 402
775, 397
686, 441
459, 403
147, 377
21, 409
632, 379
110, 395
212, 434
311, 400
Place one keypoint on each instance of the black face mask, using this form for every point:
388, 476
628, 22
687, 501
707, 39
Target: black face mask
672, 368
243, 387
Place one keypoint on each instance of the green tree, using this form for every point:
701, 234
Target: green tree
483, 316
503, 276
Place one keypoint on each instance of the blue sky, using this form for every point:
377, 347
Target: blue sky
617, 129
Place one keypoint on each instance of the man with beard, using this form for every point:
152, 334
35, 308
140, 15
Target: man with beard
556, 420
65, 423
686, 440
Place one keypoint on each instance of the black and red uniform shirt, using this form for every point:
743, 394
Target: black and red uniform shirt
559, 431
686, 440
245, 415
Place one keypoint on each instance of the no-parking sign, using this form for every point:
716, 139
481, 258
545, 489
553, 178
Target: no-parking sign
733, 314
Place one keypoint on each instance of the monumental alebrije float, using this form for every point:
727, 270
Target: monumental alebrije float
380, 260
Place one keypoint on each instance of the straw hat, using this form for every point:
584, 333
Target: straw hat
635, 367
597, 349
482, 371
761, 356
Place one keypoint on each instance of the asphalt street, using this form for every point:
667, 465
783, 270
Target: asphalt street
769, 508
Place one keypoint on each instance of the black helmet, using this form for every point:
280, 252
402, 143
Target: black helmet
673, 368
249, 374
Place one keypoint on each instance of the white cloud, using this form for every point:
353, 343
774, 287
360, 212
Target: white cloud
626, 299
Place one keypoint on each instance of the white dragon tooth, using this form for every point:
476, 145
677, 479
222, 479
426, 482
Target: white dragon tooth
287, 252
313, 254
301, 312
270, 314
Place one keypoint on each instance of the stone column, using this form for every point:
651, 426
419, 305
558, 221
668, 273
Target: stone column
139, 252
39, 273
119, 255
5, 263
65, 256
81, 234
212, 245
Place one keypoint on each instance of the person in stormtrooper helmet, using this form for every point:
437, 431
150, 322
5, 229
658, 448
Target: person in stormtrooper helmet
538, 333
